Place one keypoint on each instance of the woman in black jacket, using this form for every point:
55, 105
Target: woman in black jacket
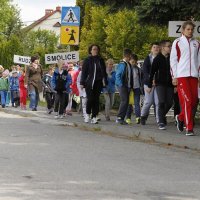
93, 79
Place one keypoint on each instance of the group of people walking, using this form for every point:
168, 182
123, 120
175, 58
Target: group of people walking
170, 75
167, 71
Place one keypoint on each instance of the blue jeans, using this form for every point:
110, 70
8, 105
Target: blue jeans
34, 98
3, 97
136, 104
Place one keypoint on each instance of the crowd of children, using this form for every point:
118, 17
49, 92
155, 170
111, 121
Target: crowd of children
12, 89
82, 83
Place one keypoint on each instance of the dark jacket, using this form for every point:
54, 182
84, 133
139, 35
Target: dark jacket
146, 68
94, 69
61, 82
47, 84
161, 70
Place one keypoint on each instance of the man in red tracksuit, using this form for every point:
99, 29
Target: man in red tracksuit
185, 70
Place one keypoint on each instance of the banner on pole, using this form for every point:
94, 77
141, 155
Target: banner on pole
68, 56
25, 60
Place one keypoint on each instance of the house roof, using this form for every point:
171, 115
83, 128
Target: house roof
31, 26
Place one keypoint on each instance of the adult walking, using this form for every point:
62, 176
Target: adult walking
185, 70
160, 71
149, 98
33, 81
93, 79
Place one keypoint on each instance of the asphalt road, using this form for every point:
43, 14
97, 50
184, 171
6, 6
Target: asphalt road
40, 161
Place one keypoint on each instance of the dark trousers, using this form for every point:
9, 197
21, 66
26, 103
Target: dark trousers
124, 98
165, 101
137, 93
50, 97
60, 102
92, 105
15, 97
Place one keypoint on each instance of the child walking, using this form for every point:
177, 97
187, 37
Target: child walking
61, 81
22, 90
4, 86
137, 89
49, 93
14, 89
109, 90
82, 92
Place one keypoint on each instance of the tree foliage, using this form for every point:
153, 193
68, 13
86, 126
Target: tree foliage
9, 21
162, 11
40, 42
117, 4
123, 30
94, 32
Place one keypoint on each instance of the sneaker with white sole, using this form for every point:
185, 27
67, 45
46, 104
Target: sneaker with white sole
86, 118
189, 133
179, 124
161, 126
94, 120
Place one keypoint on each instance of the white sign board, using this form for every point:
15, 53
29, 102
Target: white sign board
174, 29
68, 56
25, 60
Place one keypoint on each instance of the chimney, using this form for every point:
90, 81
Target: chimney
48, 11
58, 8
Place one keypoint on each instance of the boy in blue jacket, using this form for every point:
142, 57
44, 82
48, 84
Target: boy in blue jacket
14, 89
61, 82
124, 82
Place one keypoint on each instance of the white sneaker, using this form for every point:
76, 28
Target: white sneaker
94, 120
61, 116
56, 114
56, 117
86, 118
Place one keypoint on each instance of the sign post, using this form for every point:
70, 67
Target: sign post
70, 22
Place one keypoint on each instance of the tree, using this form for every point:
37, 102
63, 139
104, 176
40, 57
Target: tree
40, 42
123, 31
116, 5
162, 11
8, 49
94, 32
10, 22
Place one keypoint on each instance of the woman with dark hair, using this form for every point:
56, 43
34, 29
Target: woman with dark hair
33, 81
93, 79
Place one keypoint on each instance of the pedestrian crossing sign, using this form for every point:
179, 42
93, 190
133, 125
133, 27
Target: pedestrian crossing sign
69, 35
70, 16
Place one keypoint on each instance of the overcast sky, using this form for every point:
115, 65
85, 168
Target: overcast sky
32, 10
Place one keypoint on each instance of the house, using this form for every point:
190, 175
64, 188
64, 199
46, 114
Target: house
50, 21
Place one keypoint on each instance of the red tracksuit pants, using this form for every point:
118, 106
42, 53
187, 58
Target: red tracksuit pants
23, 96
188, 97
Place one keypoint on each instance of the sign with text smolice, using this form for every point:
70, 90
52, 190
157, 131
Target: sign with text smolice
68, 56
25, 60
174, 29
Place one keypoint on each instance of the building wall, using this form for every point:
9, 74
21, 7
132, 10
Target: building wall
49, 23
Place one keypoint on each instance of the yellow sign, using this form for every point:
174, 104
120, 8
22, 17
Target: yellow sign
69, 35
